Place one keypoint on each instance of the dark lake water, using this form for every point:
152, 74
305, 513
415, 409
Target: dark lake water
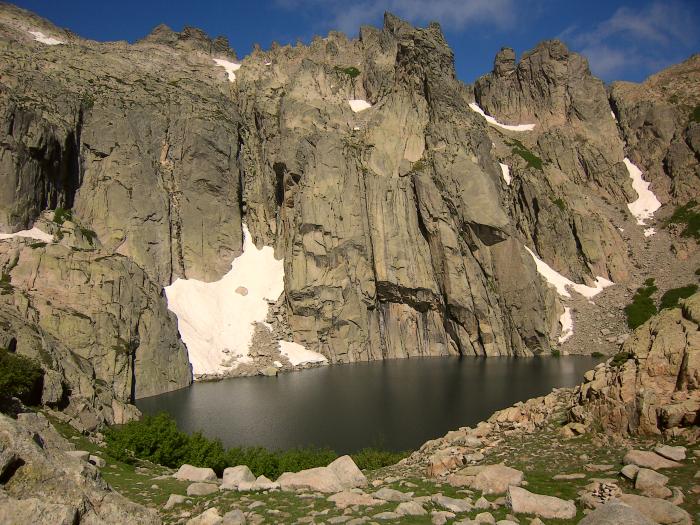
396, 404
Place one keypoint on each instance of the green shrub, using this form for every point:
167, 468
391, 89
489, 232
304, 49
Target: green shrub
5, 284
689, 217
533, 161
555, 352
157, 439
89, 235
560, 204
695, 114
671, 297
36, 245
620, 359
597, 355
351, 71
61, 215
372, 458
642, 307
20, 377
418, 165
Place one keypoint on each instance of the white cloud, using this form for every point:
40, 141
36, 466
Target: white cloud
649, 38
453, 14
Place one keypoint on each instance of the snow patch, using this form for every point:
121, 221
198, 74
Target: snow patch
358, 105
41, 37
298, 355
562, 284
613, 116
648, 232
277, 364
567, 325
217, 324
519, 127
34, 233
646, 204
268, 63
230, 67
505, 171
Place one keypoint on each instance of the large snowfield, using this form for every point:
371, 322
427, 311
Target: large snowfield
358, 105
646, 204
216, 320
519, 127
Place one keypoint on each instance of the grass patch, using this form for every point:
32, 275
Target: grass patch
350, 71
418, 165
671, 297
533, 161
687, 216
642, 307
559, 202
157, 439
36, 245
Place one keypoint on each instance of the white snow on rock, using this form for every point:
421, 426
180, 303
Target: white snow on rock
41, 37
358, 105
505, 171
230, 67
567, 325
298, 355
34, 233
646, 204
519, 127
562, 284
648, 232
216, 323
613, 116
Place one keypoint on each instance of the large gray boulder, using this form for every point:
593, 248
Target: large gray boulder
320, 479
348, 473
615, 513
659, 510
234, 475
522, 501
495, 479
191, 473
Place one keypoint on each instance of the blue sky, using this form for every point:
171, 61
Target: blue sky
624, 40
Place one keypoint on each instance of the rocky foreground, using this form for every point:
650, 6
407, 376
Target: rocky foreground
621, 448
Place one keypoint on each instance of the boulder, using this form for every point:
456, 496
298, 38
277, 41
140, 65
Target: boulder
190, 473
234, 517
97, 461
630, 471
348, 473
648, 459
495, 479
388, 494
669, 452
320, 479
174, 499
658, 510
234, 475
208, 517
525, 502
410, 508
616, 513
201, 489
347, 498
33, 511
82, 455
651, 483
453, 504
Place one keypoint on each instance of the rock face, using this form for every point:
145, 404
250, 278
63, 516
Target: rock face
655, 121
96, 322
658, 387
44, 485
398, 234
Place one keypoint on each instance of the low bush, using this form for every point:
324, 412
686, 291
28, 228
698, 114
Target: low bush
597, 355
533, 161
61, 215
351, 71
671, 297
620, 359
642, 307
157, 439
20, 377
555, 352
688, 216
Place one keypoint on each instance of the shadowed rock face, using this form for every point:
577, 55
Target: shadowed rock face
399, 236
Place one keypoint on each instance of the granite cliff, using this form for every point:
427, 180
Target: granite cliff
409, 224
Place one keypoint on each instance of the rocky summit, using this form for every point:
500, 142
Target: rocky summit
171, 212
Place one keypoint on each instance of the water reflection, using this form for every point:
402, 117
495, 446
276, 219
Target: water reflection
396, 404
